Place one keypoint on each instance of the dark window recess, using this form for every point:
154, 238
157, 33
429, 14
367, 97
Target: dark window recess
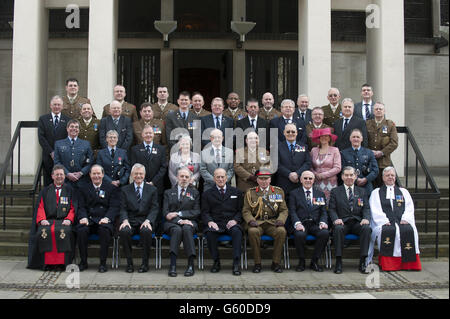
203, 16
273, 16
138, 71
6, 15
348, 26
444, 13
418, 19
57, 22
271, 71
138, 16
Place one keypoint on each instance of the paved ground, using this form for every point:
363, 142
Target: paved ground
17, 282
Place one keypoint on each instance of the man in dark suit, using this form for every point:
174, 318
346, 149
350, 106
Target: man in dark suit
74, 154
288, 117
222, 214
99, 204
181, 209
345, 125
293, 160
364, 109
180, 122
138, 211
350, 213
51, 127
121, 124
308, 216
303, 110
217, 120
254, 122
115, 161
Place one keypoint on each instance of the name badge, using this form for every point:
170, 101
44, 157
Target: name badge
101, 193
384, 129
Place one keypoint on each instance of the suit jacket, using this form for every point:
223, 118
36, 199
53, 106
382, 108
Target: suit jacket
48, 135
220, 209
208, 165
135, 212
95, 207
308, 117
339, 207
208, 124
280, 123
260, 123
343, 140
155, 163
359, 109
128, 110
288, 162
174, 120
78, 158
117, 168
124, 128
299, 211
189, 206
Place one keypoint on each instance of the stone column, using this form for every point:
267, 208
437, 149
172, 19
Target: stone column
385, 51
239, 62
314, 49
102, 56
166, 54
29, 76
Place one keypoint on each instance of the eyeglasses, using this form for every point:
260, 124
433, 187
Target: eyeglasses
332, 95
308, 178
291, 132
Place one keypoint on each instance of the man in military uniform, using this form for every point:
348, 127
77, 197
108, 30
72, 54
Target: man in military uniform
316, 123
147, 118
89, 128
265, 212
197, 105
233, 110
128, 109
332, 111
72, 102
268, 112
383, 140
162, 107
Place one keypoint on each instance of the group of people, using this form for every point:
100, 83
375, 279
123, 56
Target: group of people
147, 176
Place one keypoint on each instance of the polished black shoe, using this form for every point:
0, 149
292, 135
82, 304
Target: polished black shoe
315, 266
82, 266
257, 268
301, 265
130, 268
362, 267
338, 267
48, 268
60, 268
189, 271
143, 268
216, 267
102, 269
236, 270
172, 271
276, 268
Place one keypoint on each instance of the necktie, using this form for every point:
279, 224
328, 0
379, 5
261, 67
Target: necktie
217, 122
345, 124
183, 116
116, 122
183, 190
222, 192
287, 121
56, 121
366, 106
291, 148
112, 153
148, 149
350, 197
253, 123
308, 198
97, 190
138, 194
218, 156
72, 141
303, 116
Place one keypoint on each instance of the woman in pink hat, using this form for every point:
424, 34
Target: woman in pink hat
325, 159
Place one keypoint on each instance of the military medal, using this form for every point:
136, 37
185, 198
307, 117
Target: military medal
360, 202
190, 126
385, 129
156, 130
95, 127
408, 246
62, 235
120, 160
44, 233
154, 151
387, 241
101, 193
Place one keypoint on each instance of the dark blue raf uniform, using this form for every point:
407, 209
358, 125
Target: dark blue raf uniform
75, 157
95, 204
364, 162
309, 210
116, 168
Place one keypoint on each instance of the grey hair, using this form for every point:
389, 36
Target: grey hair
185, 168
288, 101
389, 168
348, 168
112, 132
97, 165
137, 166
347, 99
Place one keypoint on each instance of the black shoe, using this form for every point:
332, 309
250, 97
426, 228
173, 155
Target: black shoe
143, 268
338, 267
130, 268
82, 266
60, 268
236, 270
362, 266
301, 265
172, 271
276, 268
48, 268
315, 266
102, 269
216, 267
257, 268
189, 271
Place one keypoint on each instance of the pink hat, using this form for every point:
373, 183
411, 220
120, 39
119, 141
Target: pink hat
317, 133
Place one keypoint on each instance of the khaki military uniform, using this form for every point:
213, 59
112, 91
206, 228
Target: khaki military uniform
329, 117
90, 133
128, 110
273, 113
265, 208
382, 137
159, 131
246, 164
236, 116
73, 110
309, 128
202, 112
159, 114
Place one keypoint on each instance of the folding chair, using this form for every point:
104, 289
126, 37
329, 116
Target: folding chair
200, 249
310, 238
223, 238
